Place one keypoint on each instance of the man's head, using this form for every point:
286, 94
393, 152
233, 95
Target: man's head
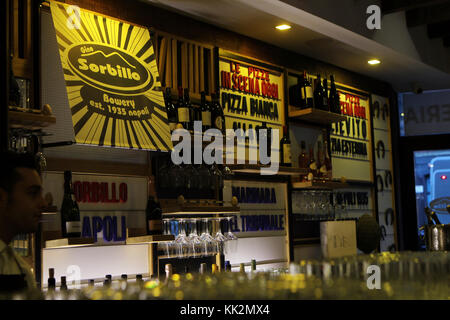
21, 200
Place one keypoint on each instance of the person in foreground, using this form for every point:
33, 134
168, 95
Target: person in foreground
21, 205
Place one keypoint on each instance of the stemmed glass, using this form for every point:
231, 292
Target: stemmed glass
194, 239
218, 236
181, 240
232, 242
210, 244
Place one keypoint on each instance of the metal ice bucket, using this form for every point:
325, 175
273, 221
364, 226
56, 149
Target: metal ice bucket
437, 237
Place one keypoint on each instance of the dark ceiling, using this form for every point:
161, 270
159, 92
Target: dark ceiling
435, 14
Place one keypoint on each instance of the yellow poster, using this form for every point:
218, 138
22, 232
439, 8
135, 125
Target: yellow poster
112, 81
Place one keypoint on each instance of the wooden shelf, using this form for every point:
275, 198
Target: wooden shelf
150, 239
256, 168
315, 116
29, 120
330, 185
68, 242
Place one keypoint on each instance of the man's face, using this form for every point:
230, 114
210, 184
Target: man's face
24, 205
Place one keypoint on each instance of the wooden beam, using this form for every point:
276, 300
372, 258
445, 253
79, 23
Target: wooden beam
433, 14
390, 6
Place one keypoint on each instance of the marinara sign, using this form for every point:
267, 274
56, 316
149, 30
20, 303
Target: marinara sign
250, 94
112, 81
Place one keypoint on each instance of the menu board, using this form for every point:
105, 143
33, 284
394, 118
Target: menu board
350, 140
112, 81
251, 93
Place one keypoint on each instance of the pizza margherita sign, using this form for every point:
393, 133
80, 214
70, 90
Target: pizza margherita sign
112, 81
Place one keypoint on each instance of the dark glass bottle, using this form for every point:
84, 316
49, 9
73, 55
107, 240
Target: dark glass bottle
312, 167
285, 149
318, 94
333, 97
153, 214
192, 111
183, 111
325, 103
307, 93
217, 116
172, 116
206, 113
14, 89
63, 286
51, 282
70, 213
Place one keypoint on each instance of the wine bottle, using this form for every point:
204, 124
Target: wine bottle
91, 283
14, 89
192, 111
70, 213
206, 112
333, 98
217, 116
183, 111
325, 103
227, 266
124, 277
242, 268
285, 146
253, 265
307, 93
153, 215
312, 167
171, 111
322, 170
318, 94
63, 286
328, 163
139, 279
51, 282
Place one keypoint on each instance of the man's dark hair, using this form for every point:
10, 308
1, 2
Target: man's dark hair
9, 176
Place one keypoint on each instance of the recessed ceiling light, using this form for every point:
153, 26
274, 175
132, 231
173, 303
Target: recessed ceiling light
374, 62
283, 27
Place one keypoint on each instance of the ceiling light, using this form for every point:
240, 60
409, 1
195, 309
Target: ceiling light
374, 62
283, 27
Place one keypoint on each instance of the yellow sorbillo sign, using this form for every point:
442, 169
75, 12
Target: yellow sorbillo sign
112, 81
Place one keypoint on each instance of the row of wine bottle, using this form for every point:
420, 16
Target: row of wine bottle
184, 113
302, 95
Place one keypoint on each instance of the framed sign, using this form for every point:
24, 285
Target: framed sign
351, 139
112, 81
251, 93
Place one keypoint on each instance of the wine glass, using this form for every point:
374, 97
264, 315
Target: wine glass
194, 238
210, 244
232, 240
218, 235
181, 241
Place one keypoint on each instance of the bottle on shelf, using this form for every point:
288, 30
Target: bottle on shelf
172, 116
253, 265
206, 112
325, 104
14, 89
328, 163
321, 168
267, 136
203, 268
91, 283
183, 111
153, 216
124, 277
303, 160
139, 279
333, 97
227, 266
51, 282
285, 148
213, 268
63, 286
307, 95
193, 114
318, 93
312, 167
169, 270
242, 268
70, 213
108, 280
217, 116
